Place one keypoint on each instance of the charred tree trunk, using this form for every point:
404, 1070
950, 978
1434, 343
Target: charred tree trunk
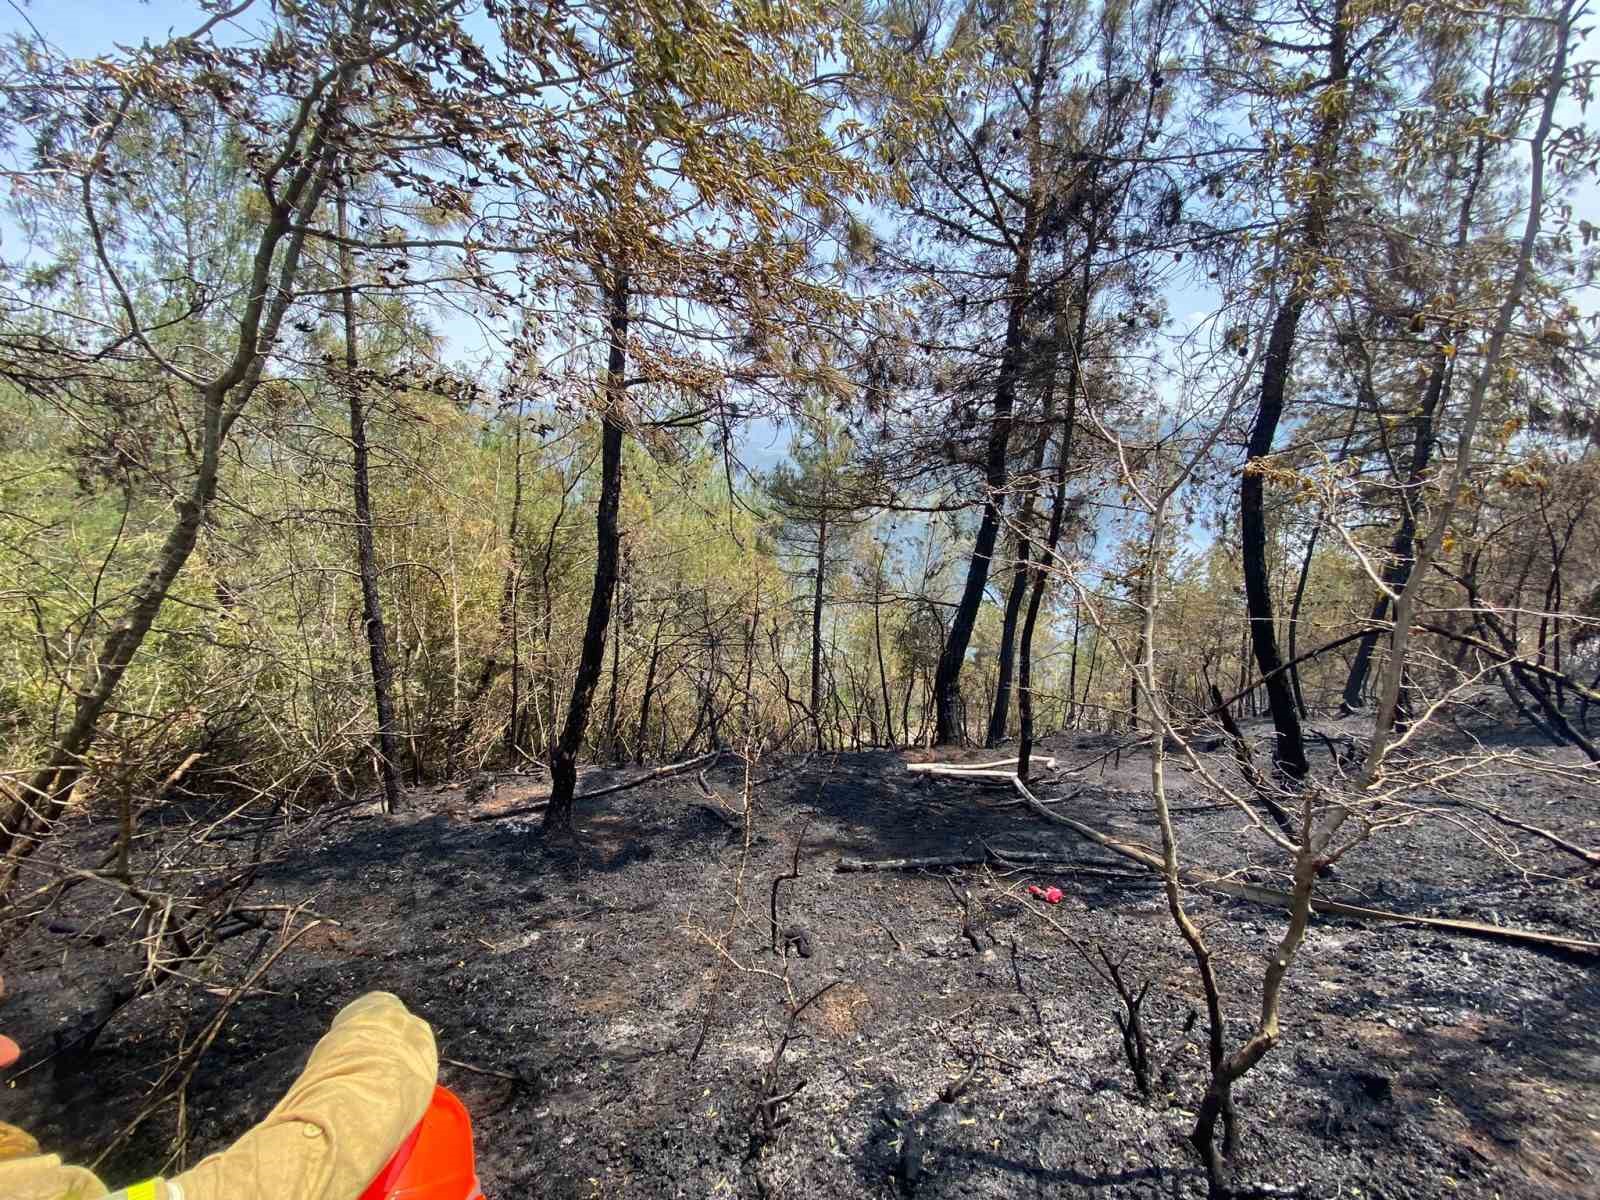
1294, 620
948, 725
1290, 750
366, 556
1290, 753
1072, 665
947, 676
1300, 586
1492, 629
513, 579
1402, 549
612, 743
1020, 576
905, 708
1000, 714
564, 757
877, 642
1058, 516
649, 691
816, 629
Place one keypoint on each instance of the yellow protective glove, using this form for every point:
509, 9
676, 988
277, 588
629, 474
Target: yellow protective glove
367, 1085
365, 1088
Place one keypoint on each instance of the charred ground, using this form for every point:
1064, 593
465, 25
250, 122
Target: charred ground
606, 1047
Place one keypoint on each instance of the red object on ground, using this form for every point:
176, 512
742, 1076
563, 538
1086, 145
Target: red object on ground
436, 1161
1050, 895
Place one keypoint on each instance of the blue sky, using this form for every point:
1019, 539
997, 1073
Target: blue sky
87, 27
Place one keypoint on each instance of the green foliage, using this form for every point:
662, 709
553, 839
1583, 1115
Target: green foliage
817, 207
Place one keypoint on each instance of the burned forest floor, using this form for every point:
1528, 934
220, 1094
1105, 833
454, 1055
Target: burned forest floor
610, 1014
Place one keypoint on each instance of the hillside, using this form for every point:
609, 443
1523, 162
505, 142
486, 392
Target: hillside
605, 1047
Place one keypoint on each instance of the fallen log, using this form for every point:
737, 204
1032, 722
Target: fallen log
658, 773
1002, 857
1335, 908
990, 768
1274, 898
911, 864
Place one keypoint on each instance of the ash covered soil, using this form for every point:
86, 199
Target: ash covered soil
606, 1046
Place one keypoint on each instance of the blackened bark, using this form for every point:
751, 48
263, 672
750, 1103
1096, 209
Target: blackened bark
1072, 666
612, 734
1085, 704
649, 691
1305, 575
905, 709
877, 641
1020, 575
1294, 619
366, 555
948, 723
1492, 630
612, 747
947, 676
1035, 598
1058, 516
564, 757
1000, 714
816, 629
1290, 753
1290, 749
509, 599
1402, 549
